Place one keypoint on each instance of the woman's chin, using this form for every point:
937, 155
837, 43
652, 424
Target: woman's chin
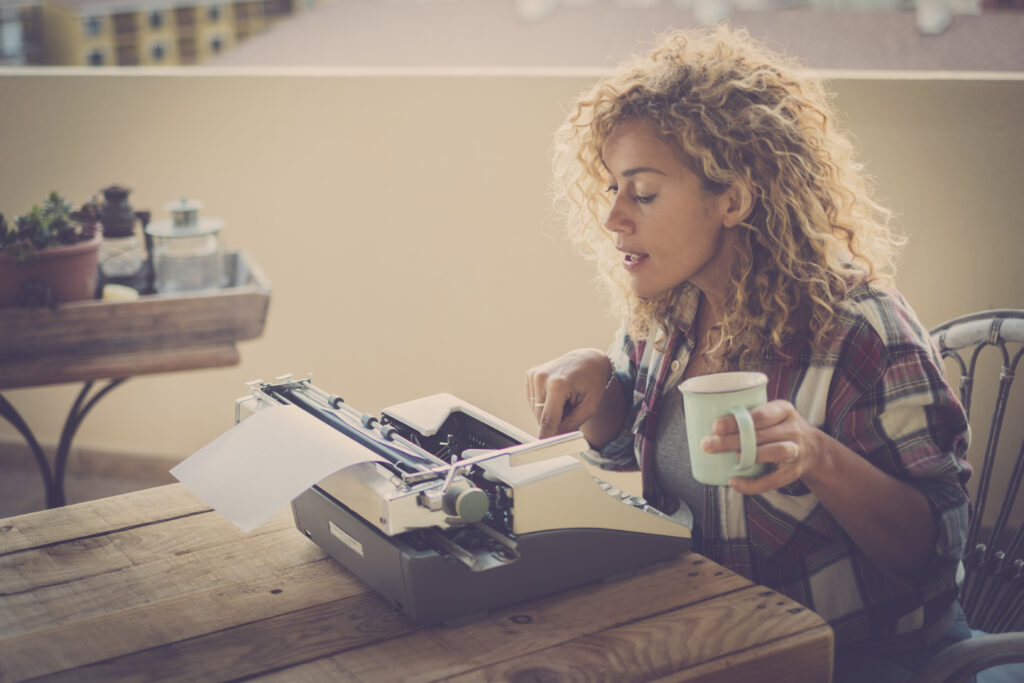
650, 290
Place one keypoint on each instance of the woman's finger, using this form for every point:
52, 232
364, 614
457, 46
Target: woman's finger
549, 418
764, 417
768, 482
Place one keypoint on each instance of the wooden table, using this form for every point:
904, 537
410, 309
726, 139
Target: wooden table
153, 585
86, 341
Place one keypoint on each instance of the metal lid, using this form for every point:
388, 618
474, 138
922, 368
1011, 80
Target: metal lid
185, 221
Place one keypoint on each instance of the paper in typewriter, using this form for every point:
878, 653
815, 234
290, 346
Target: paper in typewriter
263, 462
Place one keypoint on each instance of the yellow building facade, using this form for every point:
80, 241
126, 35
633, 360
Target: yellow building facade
152, 32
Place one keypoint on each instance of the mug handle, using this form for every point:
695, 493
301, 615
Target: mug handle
748, 441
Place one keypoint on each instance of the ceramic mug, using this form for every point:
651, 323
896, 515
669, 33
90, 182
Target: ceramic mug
709, 397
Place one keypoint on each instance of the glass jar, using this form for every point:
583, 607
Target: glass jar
187, 254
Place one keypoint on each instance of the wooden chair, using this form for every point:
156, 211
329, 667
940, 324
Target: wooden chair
992, 593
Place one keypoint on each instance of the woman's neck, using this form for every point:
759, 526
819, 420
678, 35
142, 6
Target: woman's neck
704, 325
708, 317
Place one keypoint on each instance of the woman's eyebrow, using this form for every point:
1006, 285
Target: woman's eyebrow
641, 169
634, 171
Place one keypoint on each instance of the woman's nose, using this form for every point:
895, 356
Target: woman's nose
617, 219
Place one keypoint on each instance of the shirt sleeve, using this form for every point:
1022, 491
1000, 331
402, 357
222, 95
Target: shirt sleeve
618, 454
891, 403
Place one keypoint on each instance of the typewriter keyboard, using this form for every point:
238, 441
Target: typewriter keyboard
628, 498
616, 492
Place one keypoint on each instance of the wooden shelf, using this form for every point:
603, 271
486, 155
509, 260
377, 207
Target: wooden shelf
90, 340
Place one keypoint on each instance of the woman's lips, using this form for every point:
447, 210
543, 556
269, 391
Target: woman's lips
632, 261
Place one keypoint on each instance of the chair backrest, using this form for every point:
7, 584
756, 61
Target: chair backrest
993, 590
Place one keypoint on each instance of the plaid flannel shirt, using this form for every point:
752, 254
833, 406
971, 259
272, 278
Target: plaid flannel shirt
879, 388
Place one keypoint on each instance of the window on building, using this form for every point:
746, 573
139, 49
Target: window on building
128, 54
31, 19
213, 12
248, 10
277, 8
11, 47
124, 23
216, 44
93, 26
187, 50
185, 16
158, 52
156, 19
95, 58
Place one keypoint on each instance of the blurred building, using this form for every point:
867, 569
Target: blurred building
132, 32
823, 34
21, 31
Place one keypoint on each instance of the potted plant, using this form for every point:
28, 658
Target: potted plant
50, 254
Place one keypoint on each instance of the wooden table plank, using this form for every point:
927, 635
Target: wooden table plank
805, 657
715, 632
520, 629
138, 565
317, 671
167, 541
85, 367
346, 624
96, 517
129, 588
264, 645
184, 617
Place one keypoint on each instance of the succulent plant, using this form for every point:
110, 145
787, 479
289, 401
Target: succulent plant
50, 225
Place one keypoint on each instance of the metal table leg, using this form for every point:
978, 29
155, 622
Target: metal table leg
53, 480
12, 416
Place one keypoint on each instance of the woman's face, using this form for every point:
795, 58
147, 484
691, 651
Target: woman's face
667, 226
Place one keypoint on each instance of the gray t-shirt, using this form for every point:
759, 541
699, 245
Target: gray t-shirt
672, 457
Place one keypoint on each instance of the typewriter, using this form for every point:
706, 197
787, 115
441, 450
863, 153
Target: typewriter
460, 513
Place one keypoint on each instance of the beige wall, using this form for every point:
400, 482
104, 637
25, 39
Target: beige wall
404, 220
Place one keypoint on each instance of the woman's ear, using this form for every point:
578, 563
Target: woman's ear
737, 205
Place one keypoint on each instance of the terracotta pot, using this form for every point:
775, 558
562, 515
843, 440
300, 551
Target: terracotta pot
60, 274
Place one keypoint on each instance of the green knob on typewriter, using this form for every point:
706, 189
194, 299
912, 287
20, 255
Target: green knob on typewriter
468, 503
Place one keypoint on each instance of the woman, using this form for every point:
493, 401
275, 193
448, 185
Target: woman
728, 215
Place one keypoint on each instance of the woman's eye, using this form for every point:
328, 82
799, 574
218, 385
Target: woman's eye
638, 198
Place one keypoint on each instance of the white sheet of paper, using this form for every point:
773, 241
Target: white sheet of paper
258, 466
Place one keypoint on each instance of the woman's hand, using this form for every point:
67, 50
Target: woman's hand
889, 519
566, 392
784, 438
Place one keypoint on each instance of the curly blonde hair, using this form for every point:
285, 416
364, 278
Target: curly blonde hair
743, 116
